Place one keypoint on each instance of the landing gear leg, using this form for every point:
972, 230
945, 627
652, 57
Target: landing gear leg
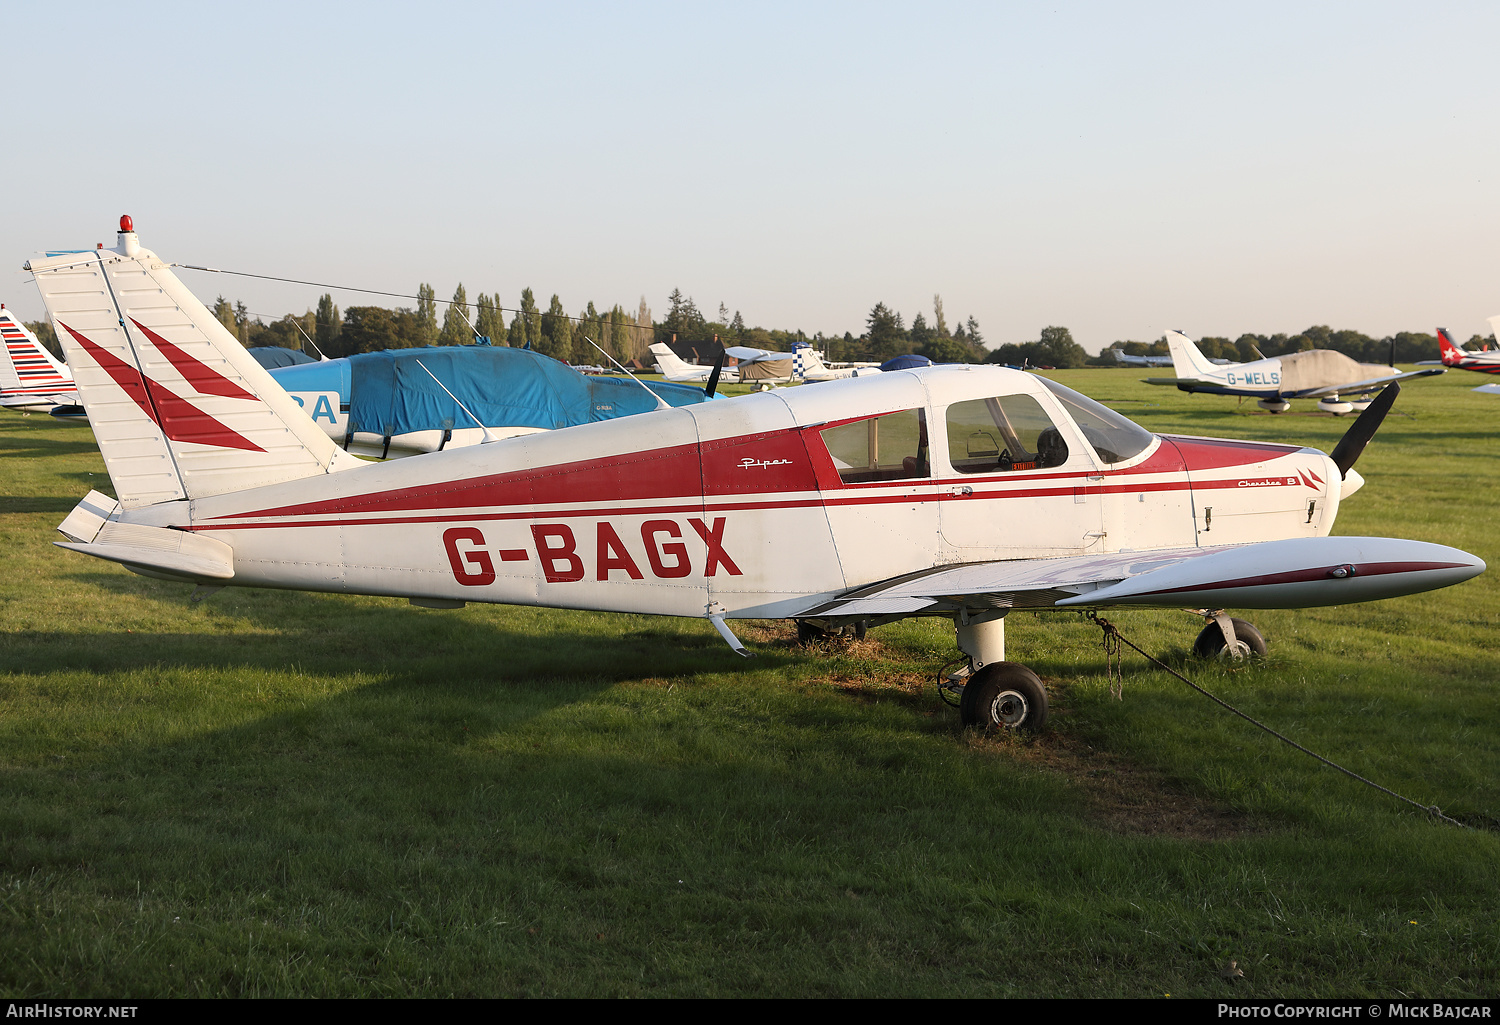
997, 695
1232, 639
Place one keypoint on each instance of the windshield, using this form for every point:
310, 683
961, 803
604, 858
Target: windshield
1114, 438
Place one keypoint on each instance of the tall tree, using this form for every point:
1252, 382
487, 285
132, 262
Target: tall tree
242, 323
977, 351
526, 325
920, 332
224, 314
456, 329
885, 337
329, 324
427, 313
491, 320
557, 331
620, 333
683, 319
588, 327
643, 333
939, 325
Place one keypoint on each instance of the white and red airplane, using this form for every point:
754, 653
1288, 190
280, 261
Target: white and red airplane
1486, 361
30, 379
955, 491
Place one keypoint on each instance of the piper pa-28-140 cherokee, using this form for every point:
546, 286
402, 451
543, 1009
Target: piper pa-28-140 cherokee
954, 491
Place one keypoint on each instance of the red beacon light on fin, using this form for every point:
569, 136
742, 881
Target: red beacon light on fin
126, 224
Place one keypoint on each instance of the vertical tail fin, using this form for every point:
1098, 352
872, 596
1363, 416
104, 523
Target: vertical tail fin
672, 366
1450, 352
26, 367
806, 362
1187, 359
179, 408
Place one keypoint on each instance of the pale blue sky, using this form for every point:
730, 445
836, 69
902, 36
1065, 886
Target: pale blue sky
1116, 168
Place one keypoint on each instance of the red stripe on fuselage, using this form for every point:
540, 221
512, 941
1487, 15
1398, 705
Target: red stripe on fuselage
772, 463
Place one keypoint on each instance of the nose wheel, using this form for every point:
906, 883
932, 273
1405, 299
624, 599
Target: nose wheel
1004, 696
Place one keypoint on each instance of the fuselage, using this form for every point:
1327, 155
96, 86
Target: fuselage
765, 505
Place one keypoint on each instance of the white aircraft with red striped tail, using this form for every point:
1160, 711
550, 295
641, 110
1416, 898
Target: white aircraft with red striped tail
30, 379
956, 491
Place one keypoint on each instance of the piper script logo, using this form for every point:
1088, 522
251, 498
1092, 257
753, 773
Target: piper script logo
751, 463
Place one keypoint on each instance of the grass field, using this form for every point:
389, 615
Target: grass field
285, 794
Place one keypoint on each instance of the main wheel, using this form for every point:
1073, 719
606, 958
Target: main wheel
1004, 696
1248, 641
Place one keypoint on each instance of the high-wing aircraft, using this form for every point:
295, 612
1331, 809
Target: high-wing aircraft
759, 366
30, 379
808, 365
956, 491
674, 368
1320, 374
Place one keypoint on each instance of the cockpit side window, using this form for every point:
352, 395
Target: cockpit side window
1115, 439
889, 447
999, 435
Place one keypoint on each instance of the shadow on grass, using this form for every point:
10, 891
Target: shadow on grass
271, 630
37, 504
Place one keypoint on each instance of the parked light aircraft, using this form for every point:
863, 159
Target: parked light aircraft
754, 365
1486, 361
1320, 374
31, 381
760, 366
1121, 356
955, 491
808, 365
1124, 358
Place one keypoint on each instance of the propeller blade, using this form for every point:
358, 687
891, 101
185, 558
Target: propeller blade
713, 378
1347, 451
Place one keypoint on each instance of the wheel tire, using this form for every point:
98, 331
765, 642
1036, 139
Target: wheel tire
1004, 696
1210, 643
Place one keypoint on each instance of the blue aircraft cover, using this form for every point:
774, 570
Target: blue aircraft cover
910, 361
273, 356
391, 394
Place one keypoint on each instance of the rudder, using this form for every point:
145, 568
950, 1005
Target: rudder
179, 408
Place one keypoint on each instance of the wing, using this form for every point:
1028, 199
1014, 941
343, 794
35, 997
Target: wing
745, 354
1358, 387
1294, 573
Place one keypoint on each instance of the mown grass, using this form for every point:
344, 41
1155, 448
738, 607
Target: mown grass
286, 794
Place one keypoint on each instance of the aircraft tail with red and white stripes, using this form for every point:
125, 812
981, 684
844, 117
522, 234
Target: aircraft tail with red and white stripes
31, 380
179, 408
